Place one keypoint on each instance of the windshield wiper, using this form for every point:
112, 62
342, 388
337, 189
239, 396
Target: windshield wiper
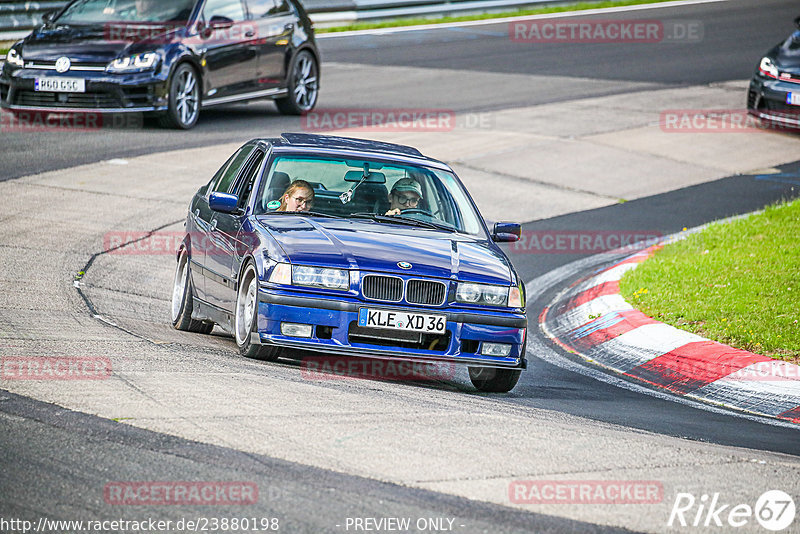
308, 213
401, 220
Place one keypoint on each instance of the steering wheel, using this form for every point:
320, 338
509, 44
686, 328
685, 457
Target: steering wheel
414, 211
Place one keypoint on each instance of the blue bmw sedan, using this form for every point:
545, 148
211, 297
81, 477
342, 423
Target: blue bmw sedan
350, 247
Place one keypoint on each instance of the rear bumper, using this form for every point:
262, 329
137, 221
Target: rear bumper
333, 322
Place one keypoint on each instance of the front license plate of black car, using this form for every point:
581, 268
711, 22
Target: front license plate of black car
793, 99
60, 85
399, 320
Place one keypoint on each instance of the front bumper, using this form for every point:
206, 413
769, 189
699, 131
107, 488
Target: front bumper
105, 93
334, 331
766, 99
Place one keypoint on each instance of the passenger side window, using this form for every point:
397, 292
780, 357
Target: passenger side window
225, 179
231, 9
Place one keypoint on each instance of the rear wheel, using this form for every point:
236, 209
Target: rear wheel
182, 301
303, 86
184, 99
246, 318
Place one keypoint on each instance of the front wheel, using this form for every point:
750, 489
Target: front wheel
246, 318
493, 380
303, 86
184, 99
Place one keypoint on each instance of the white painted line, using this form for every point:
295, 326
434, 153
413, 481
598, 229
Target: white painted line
772, 397
465, 24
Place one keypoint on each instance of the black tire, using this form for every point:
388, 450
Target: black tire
303, 85
184, 99
183, 301
493, 380
246, 318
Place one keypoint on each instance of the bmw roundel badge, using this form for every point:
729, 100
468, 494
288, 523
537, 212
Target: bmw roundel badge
404, 265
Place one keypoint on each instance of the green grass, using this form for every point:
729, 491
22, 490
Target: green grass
736, 283
485, 16
3, 52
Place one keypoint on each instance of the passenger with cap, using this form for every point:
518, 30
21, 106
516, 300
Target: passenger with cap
406, 194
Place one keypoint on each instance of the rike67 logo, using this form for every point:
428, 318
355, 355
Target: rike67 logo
774, 510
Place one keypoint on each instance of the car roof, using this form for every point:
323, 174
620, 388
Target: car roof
348, 146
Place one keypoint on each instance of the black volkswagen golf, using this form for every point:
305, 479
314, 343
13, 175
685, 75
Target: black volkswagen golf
165, 58
774, 93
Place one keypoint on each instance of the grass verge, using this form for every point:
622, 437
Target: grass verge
395, 23
737, 283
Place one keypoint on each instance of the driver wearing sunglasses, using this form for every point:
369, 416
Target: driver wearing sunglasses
406, 194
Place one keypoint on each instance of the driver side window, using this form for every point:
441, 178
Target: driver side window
245, 184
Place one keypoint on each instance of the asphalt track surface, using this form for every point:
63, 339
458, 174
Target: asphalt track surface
30, 431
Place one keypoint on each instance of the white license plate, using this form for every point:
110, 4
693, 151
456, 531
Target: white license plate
398, 320
793, 99
61, 85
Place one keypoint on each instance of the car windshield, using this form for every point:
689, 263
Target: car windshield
102, 11
391, 193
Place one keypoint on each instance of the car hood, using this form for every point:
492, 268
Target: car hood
99, 43
377, 247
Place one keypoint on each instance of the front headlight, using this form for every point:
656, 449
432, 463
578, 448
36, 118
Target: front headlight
137, 63
320, 277
303, 275
469, 293
768, 68
14, 58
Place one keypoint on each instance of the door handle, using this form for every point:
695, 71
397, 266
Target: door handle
249, 33
289, 26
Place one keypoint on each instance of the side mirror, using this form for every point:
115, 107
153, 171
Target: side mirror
48, 17
219, 22
223, 202
506, 232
